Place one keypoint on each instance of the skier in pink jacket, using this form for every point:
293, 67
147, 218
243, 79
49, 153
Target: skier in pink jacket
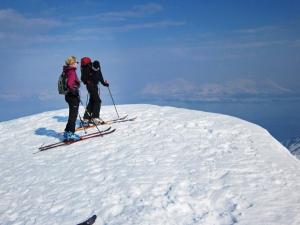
72, 98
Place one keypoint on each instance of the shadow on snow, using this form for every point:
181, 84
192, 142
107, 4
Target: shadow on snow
50, 133
61, 118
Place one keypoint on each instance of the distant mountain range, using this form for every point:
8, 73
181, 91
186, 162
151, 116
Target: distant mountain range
293, 145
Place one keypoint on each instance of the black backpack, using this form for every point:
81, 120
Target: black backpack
62, 84
86, 73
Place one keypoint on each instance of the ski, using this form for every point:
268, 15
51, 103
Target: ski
90, 125
89, 221
108, 122
119, 121
82, 138
121, 118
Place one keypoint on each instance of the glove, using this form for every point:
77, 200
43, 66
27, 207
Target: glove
106, 83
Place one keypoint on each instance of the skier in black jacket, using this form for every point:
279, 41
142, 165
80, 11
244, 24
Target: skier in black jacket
94, 105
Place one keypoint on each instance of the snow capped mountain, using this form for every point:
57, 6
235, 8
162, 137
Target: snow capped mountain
169, 166
293, 145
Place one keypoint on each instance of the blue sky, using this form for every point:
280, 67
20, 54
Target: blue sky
211, 51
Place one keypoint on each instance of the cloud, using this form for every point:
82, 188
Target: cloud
130, 27
13, 96
254, 44
235, 90
296, 43
7, 40
18, 30
256, 30
11, 20
47, 95
240, 44
137, 11
240, 40
25, 95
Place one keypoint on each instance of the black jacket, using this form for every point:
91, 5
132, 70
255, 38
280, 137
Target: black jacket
91, 74
96, 76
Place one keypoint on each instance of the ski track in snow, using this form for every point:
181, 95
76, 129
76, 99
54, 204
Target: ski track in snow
169, 166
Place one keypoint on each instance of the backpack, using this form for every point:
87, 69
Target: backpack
85, 64
86, 73
62, 84
85, 60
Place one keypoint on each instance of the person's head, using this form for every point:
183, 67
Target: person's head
71, 61
96, 65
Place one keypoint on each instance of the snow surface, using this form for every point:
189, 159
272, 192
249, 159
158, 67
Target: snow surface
169, 166
293, 145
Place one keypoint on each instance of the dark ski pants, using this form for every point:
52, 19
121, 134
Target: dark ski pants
73, 102
94, 105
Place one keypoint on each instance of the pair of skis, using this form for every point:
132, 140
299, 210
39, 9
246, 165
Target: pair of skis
108, 122
88, 136
82, 138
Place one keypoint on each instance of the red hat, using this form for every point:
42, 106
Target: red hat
85, 61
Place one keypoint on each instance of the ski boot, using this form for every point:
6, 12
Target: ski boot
98, 121
70, 136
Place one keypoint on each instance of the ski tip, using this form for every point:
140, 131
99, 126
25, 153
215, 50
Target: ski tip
89, 221
94, 217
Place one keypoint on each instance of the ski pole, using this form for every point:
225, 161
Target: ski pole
87, 99
113, 102
90, 116
82, 124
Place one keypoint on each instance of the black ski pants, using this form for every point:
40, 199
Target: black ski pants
73, 102
94, 105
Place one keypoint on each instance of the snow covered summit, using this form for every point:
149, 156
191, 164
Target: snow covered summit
169, 166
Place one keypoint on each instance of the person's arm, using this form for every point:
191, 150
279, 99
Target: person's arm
102, 81
72, 83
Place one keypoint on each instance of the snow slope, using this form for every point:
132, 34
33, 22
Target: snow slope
169, 166
293, 145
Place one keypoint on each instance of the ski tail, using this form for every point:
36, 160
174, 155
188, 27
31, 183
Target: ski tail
89, 221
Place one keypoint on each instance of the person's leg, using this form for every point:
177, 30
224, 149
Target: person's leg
73, 103
89, 108
96, 101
